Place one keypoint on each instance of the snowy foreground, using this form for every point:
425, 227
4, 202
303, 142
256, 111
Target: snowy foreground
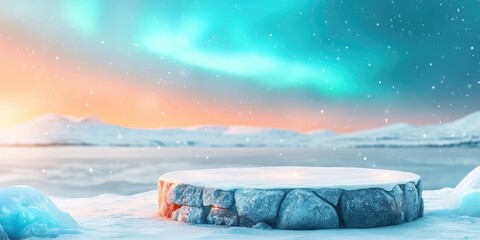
135, 217
449, 214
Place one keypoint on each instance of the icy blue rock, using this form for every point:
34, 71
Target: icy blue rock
185, 195
262, 225
465, 195
422, 208
420, 198
194, 215
469, 204
255, 205
399, 197
366, 208
303, 209
412, 205
217, 198
419, 188
220, 216
26, 212
3, 235
332, 195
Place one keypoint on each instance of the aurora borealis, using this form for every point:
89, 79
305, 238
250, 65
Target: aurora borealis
301, 65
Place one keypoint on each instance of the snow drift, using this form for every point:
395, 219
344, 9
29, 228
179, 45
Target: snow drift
466, 195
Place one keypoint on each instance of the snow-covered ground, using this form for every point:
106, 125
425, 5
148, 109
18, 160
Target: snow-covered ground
134, 217
86, 172
111, 216
54, 129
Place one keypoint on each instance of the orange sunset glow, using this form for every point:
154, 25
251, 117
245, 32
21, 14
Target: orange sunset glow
35, 83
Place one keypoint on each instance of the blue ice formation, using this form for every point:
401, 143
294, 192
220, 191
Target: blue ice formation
469, 204
465, 198
26, 212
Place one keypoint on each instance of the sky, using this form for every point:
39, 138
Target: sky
299, 65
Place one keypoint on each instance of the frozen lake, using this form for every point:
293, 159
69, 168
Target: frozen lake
90, 171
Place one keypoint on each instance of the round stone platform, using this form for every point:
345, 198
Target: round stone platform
291, 197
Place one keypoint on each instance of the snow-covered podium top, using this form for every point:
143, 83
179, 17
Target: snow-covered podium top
292, 178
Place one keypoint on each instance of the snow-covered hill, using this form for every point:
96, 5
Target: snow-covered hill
464, 132
54, 129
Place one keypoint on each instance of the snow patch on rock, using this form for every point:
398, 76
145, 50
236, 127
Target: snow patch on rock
292, 177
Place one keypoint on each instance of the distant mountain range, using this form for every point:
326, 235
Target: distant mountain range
58, 130
464, 132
